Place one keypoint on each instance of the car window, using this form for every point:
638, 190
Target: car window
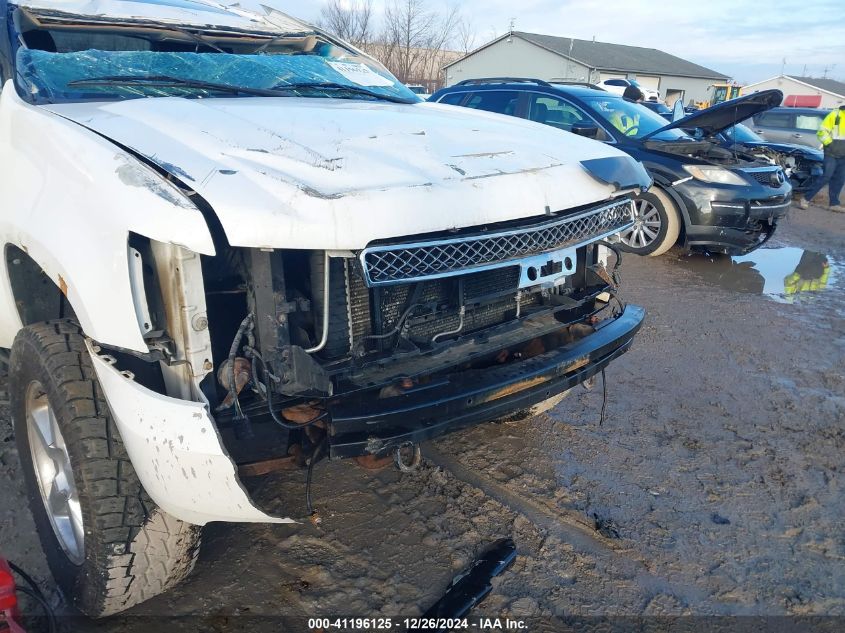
555, 112
741, 134
775, 119
616, 82
501, 101
809, 122
454, 98
658, 107
631, 119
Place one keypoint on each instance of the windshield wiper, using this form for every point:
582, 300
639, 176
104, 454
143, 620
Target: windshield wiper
335, 87
166, 81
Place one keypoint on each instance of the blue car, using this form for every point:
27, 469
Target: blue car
802, 164
705, 196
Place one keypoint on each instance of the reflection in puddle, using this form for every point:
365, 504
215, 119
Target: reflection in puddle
784, 274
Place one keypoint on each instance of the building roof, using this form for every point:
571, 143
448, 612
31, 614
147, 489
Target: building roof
830, 85
614, 57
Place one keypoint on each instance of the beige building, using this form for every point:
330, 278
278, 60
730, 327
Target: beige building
829, 93
547, 57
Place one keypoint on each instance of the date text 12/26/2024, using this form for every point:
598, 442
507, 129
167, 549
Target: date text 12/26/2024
416, 624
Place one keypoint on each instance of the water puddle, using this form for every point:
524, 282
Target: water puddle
785, 274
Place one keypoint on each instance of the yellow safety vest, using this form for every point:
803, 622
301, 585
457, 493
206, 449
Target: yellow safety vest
833, 128
628, 125
794, 283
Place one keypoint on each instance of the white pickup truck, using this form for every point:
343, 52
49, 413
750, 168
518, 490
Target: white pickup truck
230, 237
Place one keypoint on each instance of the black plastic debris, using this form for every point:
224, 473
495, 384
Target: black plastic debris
718, 519
606, 527
474, 584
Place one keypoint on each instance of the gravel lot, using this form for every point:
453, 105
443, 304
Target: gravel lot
714, 486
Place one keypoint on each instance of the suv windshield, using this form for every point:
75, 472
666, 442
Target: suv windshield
632, 119
116, 61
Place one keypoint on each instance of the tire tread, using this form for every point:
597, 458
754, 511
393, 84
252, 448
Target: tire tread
134, 550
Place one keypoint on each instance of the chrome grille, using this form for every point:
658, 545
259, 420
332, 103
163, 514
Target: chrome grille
402, 263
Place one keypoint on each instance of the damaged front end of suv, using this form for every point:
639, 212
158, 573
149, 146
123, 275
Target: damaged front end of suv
407, 339
259, 246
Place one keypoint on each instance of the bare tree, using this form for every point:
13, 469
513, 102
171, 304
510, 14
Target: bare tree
465, 35
351, 21
415, 40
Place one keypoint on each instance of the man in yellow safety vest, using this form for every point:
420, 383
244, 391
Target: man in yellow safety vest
832, 135
625, 122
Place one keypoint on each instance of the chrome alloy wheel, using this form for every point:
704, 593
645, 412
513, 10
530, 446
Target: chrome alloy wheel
53, 471
646, 225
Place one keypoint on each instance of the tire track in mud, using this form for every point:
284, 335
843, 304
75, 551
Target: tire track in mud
571, 527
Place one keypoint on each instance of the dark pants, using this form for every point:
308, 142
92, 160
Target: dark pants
834, 176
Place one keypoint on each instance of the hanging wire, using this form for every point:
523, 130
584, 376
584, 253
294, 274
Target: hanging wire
245, 325
34, 592
604, 397
315, 456
269, 395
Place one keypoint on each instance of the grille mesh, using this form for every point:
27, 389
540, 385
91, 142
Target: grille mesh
763, 177
439, 258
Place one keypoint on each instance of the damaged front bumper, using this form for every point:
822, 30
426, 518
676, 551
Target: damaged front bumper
740, 227
732, 225
457, 400
176, 452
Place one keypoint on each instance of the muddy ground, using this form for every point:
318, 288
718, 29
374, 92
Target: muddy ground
715, 485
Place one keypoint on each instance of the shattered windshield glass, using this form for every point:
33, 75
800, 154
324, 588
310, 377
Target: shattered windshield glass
59, 65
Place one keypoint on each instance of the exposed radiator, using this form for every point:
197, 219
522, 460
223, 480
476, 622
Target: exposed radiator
420, 311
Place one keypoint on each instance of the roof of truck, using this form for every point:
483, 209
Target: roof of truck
200, 13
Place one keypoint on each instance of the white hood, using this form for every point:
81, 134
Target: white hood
337, 174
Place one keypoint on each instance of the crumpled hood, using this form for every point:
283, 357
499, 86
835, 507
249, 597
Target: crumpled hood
337, 174
810, 153
723, 115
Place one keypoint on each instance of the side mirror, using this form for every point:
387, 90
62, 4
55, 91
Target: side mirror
590, 130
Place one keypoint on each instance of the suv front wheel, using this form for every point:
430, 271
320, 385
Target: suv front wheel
657, 224
107, 543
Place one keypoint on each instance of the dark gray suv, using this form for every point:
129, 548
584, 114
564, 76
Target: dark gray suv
789, 125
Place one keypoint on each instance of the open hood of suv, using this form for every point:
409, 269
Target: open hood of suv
338, 174
723, 115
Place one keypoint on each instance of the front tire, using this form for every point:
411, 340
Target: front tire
107, 543
657, 224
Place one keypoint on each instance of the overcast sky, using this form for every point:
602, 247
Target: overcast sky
746, 39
